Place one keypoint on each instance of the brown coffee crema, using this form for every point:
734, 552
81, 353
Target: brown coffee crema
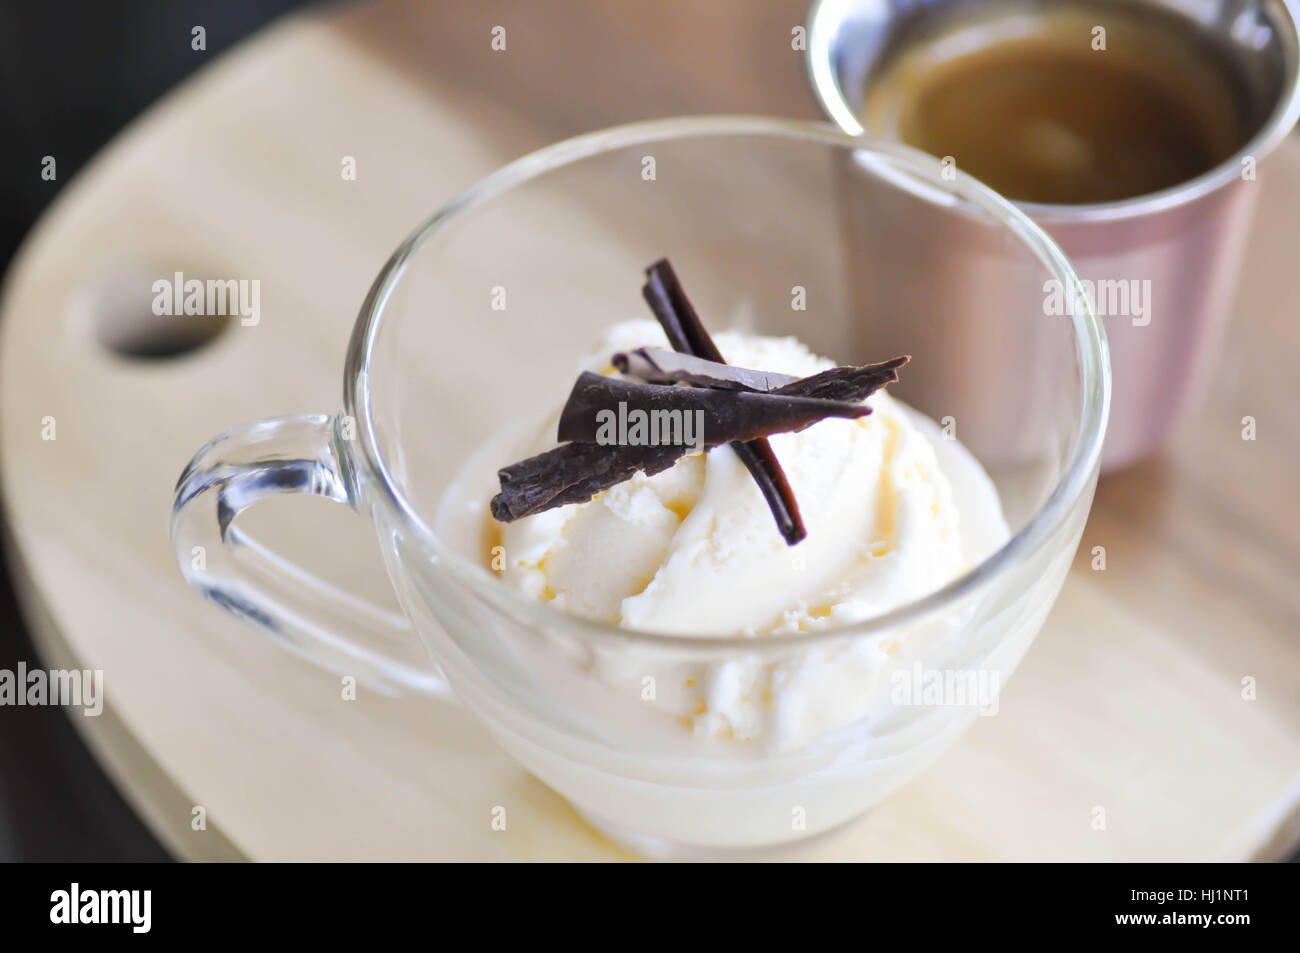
1063, 103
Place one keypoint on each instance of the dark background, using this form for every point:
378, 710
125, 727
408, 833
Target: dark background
71, 76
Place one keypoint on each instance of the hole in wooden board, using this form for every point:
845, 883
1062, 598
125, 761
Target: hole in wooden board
147, 314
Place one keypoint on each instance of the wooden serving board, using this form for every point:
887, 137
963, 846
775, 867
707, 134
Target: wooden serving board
1131, 701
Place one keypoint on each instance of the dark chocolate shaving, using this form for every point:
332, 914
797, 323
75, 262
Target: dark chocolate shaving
667, 414
659, 366
724, 404
845, 383
663, 292
573, 473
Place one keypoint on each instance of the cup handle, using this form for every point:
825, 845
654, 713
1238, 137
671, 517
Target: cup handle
298, 454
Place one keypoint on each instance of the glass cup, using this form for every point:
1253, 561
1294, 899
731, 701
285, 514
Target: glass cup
472, 332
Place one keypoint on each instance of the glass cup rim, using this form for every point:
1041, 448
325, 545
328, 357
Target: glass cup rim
1090, 336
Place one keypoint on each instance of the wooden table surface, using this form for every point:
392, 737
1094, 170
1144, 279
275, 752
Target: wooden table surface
1131, 700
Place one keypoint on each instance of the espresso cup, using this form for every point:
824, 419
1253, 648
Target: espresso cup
1159, 268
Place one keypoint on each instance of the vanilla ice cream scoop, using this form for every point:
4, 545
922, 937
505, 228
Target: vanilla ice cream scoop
694, 550
894, 510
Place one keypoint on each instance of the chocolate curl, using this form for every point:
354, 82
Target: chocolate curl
723, 415
663, 292
573, 473
656, 365
739, 405
578, 470
845, 383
